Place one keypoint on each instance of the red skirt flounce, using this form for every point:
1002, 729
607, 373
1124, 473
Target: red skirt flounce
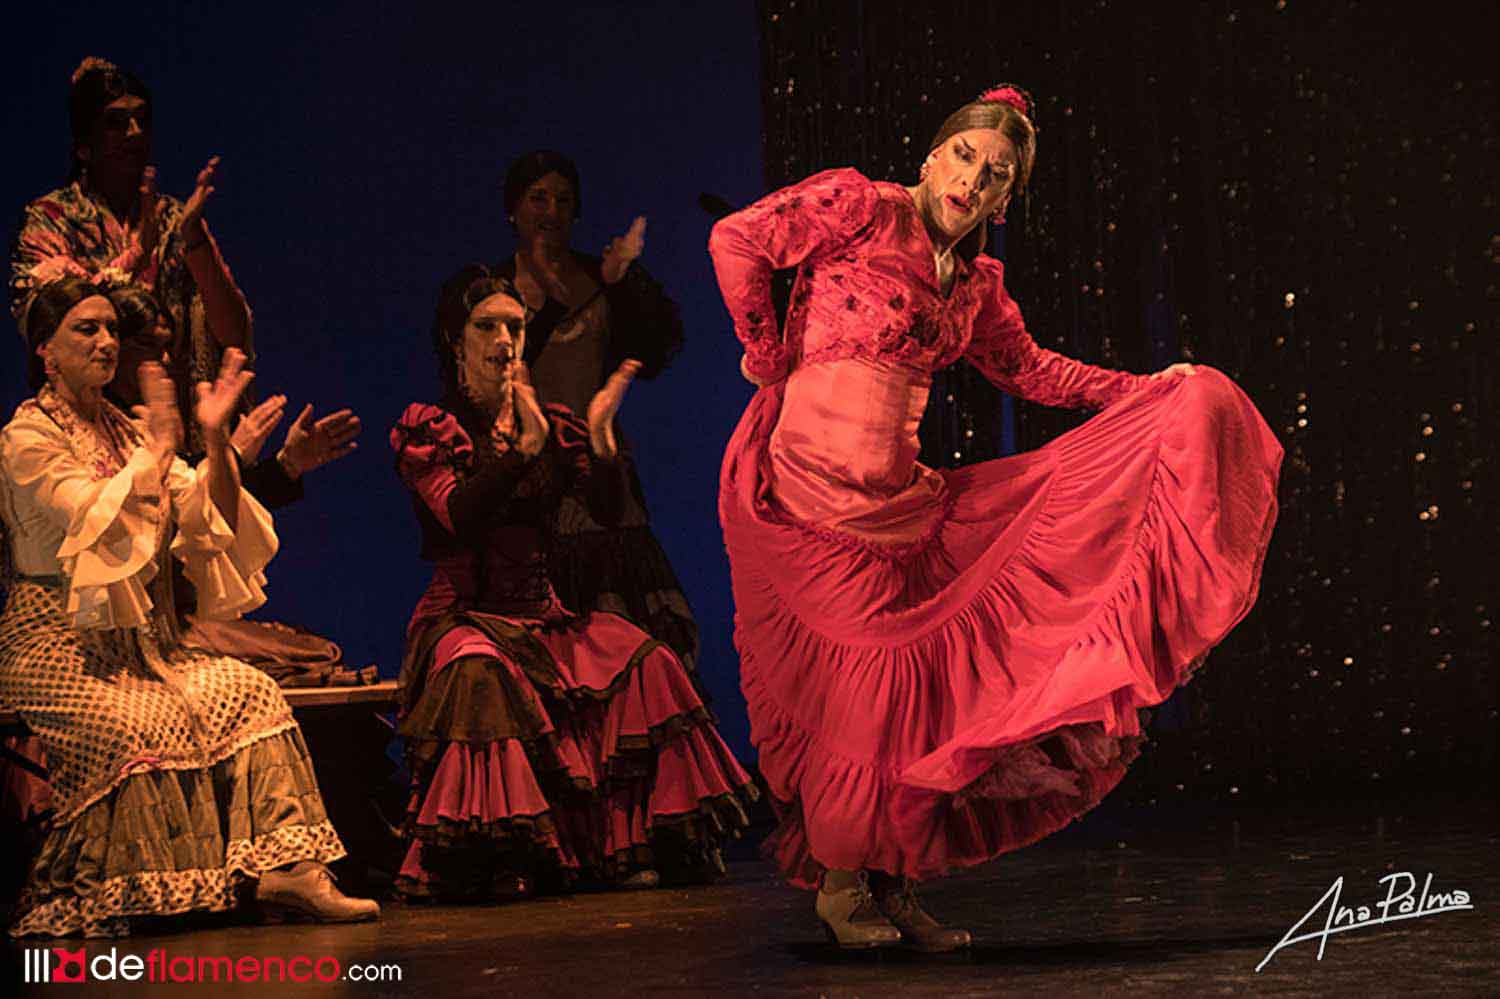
931, 706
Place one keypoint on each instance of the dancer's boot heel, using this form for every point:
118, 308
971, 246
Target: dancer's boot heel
897, 900
852, 920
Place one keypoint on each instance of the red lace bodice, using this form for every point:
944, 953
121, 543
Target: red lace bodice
505, 569
867, 288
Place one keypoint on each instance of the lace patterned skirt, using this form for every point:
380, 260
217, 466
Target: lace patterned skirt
176, 775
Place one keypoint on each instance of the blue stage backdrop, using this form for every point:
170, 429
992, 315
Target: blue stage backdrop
362, 149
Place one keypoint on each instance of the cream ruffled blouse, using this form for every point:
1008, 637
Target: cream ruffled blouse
101, 533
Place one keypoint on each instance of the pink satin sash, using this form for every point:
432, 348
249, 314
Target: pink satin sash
843, 455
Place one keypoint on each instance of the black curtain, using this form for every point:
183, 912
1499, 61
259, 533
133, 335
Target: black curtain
1301, 194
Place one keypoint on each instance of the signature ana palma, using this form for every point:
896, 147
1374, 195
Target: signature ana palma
1400, 902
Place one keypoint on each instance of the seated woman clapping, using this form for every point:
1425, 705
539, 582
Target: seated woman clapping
181, 781
292, 655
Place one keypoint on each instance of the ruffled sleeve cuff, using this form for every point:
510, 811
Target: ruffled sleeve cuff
224, 566
108, 554
765, 362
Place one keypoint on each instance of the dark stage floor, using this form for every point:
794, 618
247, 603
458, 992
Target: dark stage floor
1160, 901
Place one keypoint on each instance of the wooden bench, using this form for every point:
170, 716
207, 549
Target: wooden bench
376, 696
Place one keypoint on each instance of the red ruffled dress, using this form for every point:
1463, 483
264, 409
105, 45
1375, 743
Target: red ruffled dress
942, 666
539, 741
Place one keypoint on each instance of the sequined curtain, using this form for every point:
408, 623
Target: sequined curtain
1302, 194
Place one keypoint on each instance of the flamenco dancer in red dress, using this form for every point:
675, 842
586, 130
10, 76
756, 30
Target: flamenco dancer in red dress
942, 666
544, 746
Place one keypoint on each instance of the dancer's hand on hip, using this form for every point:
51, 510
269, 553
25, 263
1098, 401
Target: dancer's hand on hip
745, 373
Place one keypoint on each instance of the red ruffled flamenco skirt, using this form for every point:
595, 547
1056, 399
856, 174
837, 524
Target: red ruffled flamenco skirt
567, 747
941, 667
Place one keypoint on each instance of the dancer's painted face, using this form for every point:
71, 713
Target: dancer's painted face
969, 177
546, 211
119, 143
494, 339
82, 354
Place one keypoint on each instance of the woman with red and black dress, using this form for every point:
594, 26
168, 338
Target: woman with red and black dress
542, 744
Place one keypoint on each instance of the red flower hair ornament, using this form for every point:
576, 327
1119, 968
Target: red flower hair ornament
1006, 93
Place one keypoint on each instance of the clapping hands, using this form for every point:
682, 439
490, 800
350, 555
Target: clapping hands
157, 416
254, 428
312, 444
621, 252
192, 212
148, 220
309, 443
216, 400
605, 405
531, 423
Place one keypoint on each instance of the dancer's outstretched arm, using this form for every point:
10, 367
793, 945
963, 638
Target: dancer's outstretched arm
1005, 353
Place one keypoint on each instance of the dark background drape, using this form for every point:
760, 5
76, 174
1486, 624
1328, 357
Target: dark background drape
363, 148
1195, 168
1302, 195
